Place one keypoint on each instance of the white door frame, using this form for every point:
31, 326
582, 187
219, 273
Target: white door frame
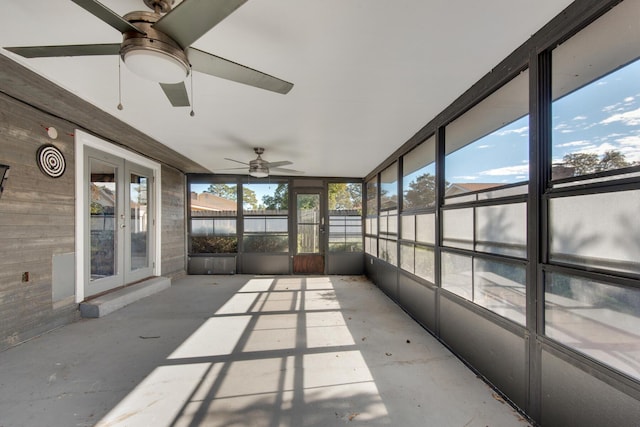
83, 139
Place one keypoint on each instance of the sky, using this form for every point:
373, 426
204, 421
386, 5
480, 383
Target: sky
602, 116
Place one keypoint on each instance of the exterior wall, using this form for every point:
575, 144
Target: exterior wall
173, 222
37, 225
37, 216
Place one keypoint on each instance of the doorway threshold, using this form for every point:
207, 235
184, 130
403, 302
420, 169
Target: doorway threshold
112, 301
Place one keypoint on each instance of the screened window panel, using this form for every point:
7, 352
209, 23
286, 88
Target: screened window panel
213, 199
595, 84
488, 146
392, 224
408, 227
371, 246
502, 229
500, 287
372, 226
214, 244
424, 263
372, 197
407, 257
596, 319
202, 227
383, 224
389, 188
457, 274
254, 225
418, 181
276, 224
458, 228
597, 230
426, 228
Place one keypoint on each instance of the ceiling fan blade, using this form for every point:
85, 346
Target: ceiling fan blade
177, 94
107, 15
68, 50
232, 169
276, 164
188, 21
285, 170
223, 68
237, 161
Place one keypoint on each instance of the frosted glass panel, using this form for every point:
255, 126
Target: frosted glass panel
458, 228
424, 263
597, 230
426, 228
599, 320
457, 273
502, 229
500, 287
409, 227
407, 257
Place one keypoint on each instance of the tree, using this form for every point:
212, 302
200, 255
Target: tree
613, 159
249, 198
586, 163
229, 192
344, 196
421, 192
279, 200
583, 163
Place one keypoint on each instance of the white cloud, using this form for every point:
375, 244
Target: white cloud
512, 131
580, 143
484, 146
580, 118
466, 177
630, 118
598, 149
508, 170
629, 99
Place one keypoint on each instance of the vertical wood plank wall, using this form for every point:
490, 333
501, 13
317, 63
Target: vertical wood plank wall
173, 222
37, 217
37, 221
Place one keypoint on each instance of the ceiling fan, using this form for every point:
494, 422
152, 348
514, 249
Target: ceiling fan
260, 168
156, 45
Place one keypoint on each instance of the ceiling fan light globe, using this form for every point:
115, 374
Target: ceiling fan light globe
155, 65
259, 172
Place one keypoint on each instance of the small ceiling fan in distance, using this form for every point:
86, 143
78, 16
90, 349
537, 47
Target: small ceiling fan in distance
260, 168
156, 45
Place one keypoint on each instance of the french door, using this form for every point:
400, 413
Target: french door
119, 222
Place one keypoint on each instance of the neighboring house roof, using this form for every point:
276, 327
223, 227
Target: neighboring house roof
211, 202
468, 187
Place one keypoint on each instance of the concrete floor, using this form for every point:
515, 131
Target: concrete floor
247, 351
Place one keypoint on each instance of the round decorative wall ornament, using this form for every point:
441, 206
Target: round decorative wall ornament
51, 161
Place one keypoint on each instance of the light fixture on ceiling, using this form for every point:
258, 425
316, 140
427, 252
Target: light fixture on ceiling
259, 171
153, 55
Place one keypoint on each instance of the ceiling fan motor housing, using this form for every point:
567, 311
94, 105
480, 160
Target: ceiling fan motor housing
163, 6
153, 40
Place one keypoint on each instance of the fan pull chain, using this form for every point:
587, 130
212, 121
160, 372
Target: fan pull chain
192, 113
120, 107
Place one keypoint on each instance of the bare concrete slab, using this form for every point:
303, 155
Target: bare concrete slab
113, 301
247, 351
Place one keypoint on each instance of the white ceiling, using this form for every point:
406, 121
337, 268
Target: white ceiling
367, 74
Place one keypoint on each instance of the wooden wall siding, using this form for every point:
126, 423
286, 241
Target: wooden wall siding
173, 222
37, 217
37, 212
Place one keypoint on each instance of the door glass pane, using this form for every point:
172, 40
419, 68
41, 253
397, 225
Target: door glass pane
139, 225
102, 209
308, 223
